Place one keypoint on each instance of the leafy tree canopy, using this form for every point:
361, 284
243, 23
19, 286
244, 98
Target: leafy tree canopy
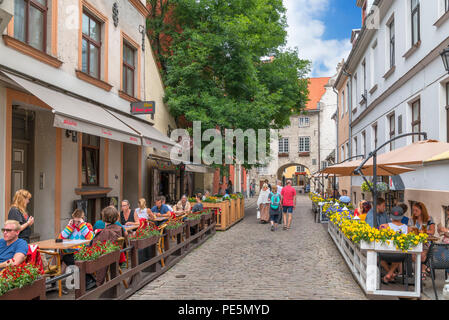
210, 53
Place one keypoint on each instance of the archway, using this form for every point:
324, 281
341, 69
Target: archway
297, 172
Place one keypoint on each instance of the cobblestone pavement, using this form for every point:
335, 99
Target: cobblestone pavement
249, 261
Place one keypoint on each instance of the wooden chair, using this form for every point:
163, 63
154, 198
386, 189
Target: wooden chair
121, 243
53, 270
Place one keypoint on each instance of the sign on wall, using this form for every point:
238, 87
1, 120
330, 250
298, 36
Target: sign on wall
143, 107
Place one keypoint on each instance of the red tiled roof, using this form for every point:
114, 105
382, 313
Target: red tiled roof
316, 91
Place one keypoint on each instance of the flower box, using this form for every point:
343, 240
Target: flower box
103, 261
144, 243
206, 216
174, 232
385, 247
192, 223
35, 290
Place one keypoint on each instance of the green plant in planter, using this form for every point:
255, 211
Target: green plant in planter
380, 186
192, 199
19, 276
234, 196
213, 200
174, 224
194, 216
96, 250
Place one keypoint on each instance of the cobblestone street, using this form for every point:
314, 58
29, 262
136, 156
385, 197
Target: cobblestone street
251, 262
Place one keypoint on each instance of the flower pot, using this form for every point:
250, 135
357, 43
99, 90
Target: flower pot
174, 232
29, 292
103, 261
192, 223
144, 243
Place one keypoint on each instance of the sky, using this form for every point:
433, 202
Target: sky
321, 30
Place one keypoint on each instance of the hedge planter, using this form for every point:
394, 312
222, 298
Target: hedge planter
174, 232
144, 243
34, 291
101, 262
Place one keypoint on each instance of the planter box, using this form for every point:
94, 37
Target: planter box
205, 217
192, 223
238, 211
174, 232
144, 243
101, 262
384, 247
223, 219
36, 290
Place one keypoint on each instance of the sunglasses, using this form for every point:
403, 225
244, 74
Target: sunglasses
7, 230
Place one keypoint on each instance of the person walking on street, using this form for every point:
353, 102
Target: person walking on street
275, 207
279, 190
263, 203
18, 212
288, 203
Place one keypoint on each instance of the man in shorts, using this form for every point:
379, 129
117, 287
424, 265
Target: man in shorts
288, 194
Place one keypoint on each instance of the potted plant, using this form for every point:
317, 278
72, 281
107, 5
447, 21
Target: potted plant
380, 186
98, 256
145, 237
174, 227
23, 282
193, 219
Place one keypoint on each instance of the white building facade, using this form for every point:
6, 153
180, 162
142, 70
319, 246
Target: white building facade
399, 85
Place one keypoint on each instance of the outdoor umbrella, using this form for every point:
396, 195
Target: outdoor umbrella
440, 157
413, 154
347, 169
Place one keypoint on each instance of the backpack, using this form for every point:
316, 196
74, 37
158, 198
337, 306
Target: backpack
275, 201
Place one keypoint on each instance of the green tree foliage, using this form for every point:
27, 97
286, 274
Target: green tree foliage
213, 69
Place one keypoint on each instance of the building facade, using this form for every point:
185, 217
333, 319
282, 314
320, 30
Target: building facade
69, 71
399, 85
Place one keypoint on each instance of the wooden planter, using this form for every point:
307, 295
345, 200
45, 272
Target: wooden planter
192, 223
34, 291
174, 232
144, 243
101, 262
232, 214
238, 211
223, 220
206, 217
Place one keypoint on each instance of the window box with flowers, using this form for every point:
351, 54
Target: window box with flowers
193, 219
174, 228
145, 237
23, 282
304, 154
283, 155
98, 256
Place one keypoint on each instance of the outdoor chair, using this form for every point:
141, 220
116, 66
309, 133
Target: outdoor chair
437, 258
52, 270
121, 243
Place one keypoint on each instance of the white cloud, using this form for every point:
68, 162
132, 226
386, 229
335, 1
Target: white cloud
306, 30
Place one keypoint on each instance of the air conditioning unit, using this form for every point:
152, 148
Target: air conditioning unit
6, 13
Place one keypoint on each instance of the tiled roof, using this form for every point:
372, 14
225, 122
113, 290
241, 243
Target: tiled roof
316, 91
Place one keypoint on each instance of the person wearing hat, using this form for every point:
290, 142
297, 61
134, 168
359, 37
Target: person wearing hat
396, 216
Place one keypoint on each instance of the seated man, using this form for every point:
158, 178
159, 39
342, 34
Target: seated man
382, 217
183, 207
164, 200
160, 210
13, 250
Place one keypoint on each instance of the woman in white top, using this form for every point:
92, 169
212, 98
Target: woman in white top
397, 226
143, 212
263, 203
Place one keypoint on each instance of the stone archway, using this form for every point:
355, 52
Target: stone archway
301, 180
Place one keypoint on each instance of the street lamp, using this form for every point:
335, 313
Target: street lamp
445, 56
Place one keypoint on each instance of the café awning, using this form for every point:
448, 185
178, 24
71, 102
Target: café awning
79, 115
151, 137
347, 169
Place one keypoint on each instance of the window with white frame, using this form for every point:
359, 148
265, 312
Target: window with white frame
343, 107
304, 144
324, 164
342, 154
355, 148
416, 119
392, 130
304, 122
300, 169
375, 136
347, 150
415, 18
283, 145
392, 44
364, 78
364, 144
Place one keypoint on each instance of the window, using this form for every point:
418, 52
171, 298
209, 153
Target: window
355, 148
392, 130
128, 69
392, 44
91, 46
347, 150
324, 164
91, 160
30, 22
304, 144
375, 136
342, 154
304, 122
364, 143
447, 109
364, 81
416, 119
400, 124
415, 22
343, 107
283, 145
348, 104
300, 169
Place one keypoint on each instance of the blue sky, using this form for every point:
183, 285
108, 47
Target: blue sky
321, 29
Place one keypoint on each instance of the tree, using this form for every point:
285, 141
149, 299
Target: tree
213, 70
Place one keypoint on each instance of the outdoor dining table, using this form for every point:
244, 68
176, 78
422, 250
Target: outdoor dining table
51, 244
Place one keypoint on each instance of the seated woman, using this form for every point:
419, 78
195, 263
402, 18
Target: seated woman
396, 225
76, 229
206, 195
362, 210
183, 207
111, 232
143, 212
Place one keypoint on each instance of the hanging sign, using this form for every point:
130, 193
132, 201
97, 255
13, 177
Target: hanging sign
143, 107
